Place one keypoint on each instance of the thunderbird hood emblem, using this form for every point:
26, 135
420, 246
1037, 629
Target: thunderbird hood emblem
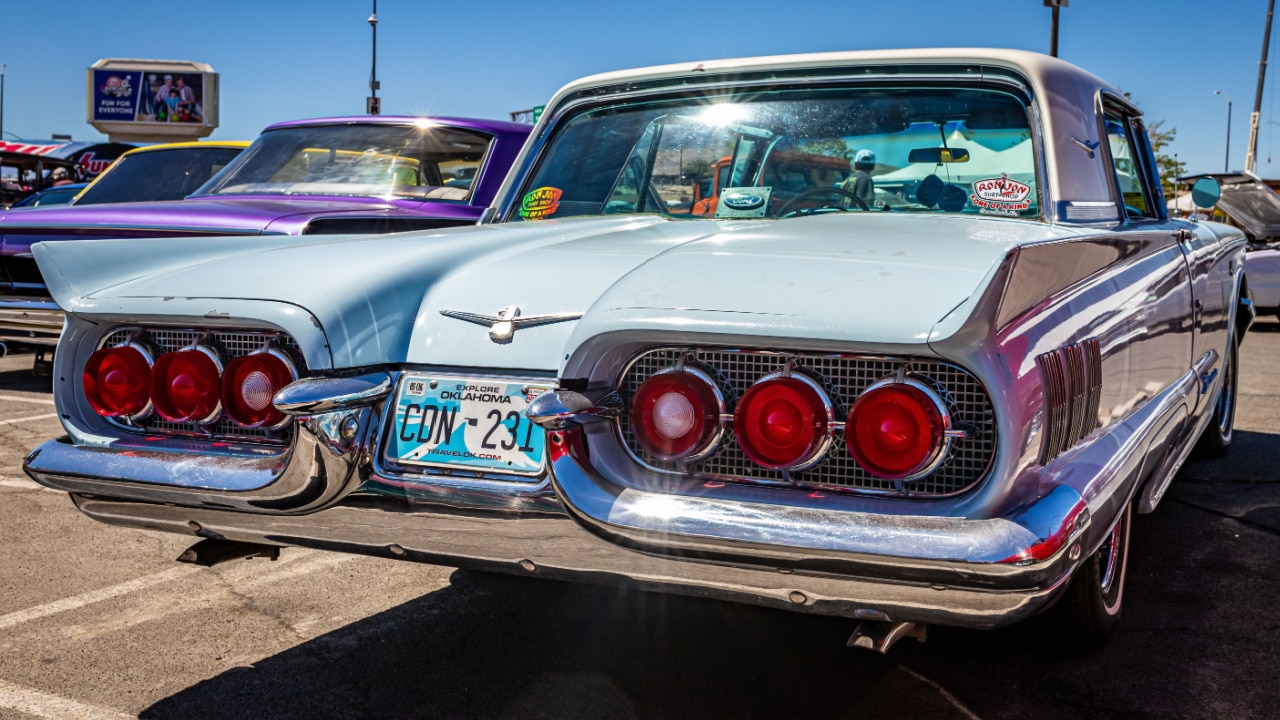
503, 326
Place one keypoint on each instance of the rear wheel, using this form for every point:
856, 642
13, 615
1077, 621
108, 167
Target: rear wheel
1090, 607
1217, 436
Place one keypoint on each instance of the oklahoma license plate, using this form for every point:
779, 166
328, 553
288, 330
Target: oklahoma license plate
466, 423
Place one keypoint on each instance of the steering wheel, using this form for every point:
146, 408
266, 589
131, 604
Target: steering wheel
782, 211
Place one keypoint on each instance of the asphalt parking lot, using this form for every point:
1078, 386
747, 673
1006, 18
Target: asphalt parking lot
99, 622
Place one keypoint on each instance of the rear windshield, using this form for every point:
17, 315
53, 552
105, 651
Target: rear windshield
427, 162
786, 152
170, 174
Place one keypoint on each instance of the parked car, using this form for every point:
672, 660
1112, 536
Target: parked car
57, 195
309, 177
936, 412
23, 173
158, 173
1254, 204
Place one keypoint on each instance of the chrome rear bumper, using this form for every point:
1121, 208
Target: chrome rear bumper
954, 571
31, 320
555, 547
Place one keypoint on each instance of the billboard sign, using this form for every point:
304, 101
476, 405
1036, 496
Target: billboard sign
139, 96
152, 100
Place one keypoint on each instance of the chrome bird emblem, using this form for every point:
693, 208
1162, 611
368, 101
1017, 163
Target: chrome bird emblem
503, 326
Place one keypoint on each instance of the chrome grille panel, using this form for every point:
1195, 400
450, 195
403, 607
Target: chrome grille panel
844, 377
235, 343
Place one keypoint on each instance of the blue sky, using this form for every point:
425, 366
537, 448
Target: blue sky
287, 59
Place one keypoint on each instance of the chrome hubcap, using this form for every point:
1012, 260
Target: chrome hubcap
1226, 398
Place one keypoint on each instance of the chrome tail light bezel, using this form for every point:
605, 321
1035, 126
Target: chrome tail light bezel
948, 435
216, 357
824, 440
271, 350
149, 353
723, 418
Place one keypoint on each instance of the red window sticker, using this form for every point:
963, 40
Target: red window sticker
1001, 195
540, 203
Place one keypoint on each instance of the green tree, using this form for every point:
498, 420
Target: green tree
834, 147
1169, 167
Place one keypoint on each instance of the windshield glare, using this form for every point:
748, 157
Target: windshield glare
425, 163
790, 152
153, 175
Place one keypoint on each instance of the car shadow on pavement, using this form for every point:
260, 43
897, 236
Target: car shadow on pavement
1198, 596
490, 646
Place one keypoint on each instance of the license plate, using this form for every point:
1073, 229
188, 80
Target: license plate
467, 423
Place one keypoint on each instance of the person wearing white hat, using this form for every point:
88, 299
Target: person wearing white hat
860, 182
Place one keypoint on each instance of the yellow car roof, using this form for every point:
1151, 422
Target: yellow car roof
205, 143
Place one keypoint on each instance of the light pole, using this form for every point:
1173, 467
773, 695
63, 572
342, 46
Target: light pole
374, 106
1227, 161
2, 101
1053, 34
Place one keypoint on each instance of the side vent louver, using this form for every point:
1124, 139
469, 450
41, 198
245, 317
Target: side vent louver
1072, 390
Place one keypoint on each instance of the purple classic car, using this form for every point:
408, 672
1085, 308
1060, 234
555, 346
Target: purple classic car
326, 176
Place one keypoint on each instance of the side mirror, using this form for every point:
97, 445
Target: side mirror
1206, 192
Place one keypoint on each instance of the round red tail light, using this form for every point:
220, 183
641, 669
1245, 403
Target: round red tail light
117, 381
186, 385
896, 430
676, 414
250, 383
783, 422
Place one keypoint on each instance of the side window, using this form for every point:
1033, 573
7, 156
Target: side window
1128, 169
1155, 188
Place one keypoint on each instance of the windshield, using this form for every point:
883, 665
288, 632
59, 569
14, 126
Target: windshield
427, 163
56, 196
169, 174
789, 152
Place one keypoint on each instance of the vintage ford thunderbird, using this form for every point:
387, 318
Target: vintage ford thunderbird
940, 409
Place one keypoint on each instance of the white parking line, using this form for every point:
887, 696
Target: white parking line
946, 695
157, 605
23, 484
43, 705
77, 601
29, 417
19, 398
34, 613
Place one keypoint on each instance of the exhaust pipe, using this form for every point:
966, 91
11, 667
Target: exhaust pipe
880, 635
212, 551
